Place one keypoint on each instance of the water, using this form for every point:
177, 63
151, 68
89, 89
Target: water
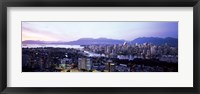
126, 57
91, 54
54, 46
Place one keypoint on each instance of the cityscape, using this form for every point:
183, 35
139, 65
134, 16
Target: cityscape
99, 46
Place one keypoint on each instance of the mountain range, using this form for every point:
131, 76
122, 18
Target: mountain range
157, 41
86, 41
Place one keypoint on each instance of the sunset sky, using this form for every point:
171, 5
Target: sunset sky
70, 31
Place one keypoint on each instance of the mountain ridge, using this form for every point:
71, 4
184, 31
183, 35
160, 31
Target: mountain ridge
87, 41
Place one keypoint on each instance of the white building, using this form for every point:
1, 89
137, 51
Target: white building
84, 63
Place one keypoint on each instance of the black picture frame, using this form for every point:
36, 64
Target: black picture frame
98, 3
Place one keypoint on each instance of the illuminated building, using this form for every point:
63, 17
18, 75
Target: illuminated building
88, 64
84, 63
108, 65
153, 50
81, 63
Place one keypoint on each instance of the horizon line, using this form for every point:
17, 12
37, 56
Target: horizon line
99, 38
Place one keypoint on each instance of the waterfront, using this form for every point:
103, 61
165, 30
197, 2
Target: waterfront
50, 45
99, 58
100, 46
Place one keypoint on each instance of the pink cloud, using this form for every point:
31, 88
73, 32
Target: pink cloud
29, 33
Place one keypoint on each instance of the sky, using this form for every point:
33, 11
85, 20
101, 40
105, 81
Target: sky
70, 31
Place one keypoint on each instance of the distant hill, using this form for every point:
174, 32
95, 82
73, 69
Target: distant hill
33, 42
157, 41
82, 41
87, 41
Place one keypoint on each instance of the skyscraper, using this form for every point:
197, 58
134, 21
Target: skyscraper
88, 64
84, 63
81, 63
108, 65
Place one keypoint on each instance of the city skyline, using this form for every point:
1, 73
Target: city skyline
100, 47
70, 31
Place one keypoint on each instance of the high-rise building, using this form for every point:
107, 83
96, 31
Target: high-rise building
81, 63
84, 63
125, 45
88, 64
108, 65
153, 50
112, 67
